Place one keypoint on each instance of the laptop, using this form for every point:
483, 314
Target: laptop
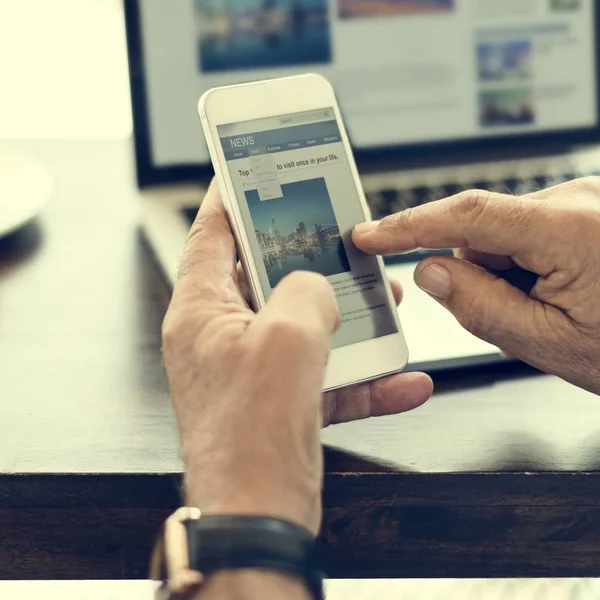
438, 96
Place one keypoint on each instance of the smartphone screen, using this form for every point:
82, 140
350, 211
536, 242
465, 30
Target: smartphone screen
299, 204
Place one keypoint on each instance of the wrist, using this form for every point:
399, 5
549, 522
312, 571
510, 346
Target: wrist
251, 585
217, 494
195, 549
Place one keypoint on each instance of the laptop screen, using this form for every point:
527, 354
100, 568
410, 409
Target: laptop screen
407, 72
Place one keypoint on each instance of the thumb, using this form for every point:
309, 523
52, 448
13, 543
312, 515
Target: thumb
305, 303
298, 322
491, 308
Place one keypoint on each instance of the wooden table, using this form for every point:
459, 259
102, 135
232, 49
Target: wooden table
496, 476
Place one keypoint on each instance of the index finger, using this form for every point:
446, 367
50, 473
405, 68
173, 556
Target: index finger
484, 221
209, 260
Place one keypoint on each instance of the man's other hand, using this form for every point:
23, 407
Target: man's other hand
526, 272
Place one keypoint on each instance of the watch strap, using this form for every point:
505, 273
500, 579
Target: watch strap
217, 543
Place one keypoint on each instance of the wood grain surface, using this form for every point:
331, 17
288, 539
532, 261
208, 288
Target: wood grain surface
496, 476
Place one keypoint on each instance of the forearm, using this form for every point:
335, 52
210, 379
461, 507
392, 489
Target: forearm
253, 585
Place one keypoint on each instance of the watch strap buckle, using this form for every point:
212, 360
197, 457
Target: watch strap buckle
171, 556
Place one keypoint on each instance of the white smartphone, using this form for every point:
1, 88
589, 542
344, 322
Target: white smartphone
292, 191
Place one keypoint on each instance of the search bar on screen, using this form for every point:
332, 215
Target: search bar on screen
308, 117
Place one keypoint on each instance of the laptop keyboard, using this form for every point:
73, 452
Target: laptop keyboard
387, 201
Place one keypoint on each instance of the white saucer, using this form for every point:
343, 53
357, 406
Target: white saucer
24, 189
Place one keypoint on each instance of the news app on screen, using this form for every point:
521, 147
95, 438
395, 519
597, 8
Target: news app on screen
299, 204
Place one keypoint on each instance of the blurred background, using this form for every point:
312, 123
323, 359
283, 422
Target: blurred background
66, 139
64, 70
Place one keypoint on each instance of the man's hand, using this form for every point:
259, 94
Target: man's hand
547, 244
247, 387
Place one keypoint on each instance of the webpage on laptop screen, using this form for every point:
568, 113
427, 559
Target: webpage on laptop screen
405, 71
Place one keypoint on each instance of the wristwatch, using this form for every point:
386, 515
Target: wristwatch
191, 547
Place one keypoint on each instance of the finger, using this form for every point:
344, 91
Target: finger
501, 266
484, 221
491, 308
554, 191
208, 266
389, 396
397, 291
